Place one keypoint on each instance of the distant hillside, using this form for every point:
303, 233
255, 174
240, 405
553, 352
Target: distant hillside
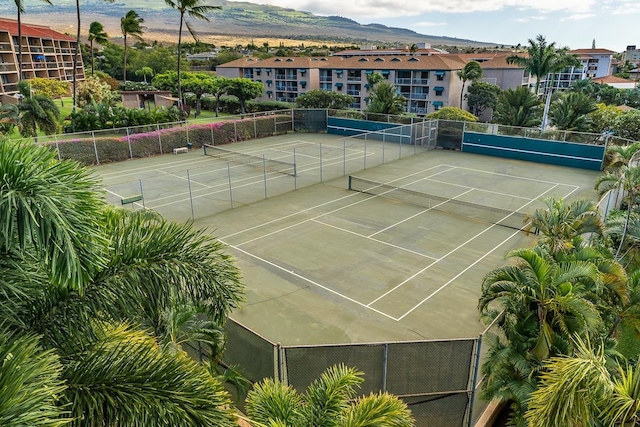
235, 18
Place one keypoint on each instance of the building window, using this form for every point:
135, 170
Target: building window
438, 90
439, 75
437, 105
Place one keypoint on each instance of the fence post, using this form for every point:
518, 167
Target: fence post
364, 166
320, 162
384, 367
264, 174
344, 156
474, 379
235, 131
295, 175
129, 142
95, 147
384, 138
190, 195
55, 138
293, 122
159, 138
229, 178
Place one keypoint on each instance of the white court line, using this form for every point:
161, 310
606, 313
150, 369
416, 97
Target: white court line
376, 240
472, 265
318, 216
515, 176
317, 206
455, 250
420, 213
299, 276
480, 189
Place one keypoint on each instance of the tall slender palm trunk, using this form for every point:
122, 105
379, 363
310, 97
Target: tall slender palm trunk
19, 42
75, 56
179, 56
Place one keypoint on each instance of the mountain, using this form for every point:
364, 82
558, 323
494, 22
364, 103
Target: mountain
234, 19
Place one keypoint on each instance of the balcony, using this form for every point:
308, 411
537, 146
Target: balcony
7, 67
415, 82
354, 78
5, 47
10, 87
353, 92
419, 96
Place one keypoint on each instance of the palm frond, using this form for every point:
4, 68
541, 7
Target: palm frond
378, 410
273, 402
123, 376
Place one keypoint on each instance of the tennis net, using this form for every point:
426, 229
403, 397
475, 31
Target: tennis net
288, 168
504, 217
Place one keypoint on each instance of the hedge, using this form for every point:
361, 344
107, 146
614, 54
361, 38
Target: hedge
161, 141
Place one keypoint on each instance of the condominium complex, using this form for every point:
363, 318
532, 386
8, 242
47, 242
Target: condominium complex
594, 64
428, 82
45, 53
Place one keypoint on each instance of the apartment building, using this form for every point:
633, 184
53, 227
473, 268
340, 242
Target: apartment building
45, 53
595, 63
428, 82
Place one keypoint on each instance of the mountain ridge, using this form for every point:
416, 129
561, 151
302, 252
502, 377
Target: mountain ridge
235, 18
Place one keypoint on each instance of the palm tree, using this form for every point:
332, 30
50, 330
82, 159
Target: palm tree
20, 9
581, 391
627, 180
99, 35
539, 60
570, 112
91, 282
620, 155
385, 99
471, 71
537, 302
36, 112
329, 401
562, 222
517, 107
194, 9
130, 24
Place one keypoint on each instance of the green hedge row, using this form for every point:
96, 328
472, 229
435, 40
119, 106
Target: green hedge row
109, 149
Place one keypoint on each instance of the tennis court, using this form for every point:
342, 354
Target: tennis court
206, 181
328, 265
380, 262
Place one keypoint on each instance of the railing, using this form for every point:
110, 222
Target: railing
354, 78
353, 92
419, 82
5, 47
419, 96
7, 66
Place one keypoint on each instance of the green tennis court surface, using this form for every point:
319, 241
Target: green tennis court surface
324, 264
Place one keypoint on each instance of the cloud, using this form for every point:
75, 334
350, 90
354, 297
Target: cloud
429, 24
578, 17
531, 18
367, 9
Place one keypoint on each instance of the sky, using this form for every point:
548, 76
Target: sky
613, 24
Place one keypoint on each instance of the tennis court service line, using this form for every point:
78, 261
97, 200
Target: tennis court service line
376, 240
475, 262
306, 279
462, 245
348, 196
514, 176
321, 215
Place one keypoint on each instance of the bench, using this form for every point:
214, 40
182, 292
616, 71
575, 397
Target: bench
131, 199
180, 150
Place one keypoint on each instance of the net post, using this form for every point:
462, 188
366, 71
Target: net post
229, 179
190, 195
349, 184
142, 192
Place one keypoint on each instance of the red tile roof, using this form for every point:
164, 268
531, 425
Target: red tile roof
612, 79
30, 30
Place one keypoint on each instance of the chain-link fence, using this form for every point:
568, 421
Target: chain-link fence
435, 378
